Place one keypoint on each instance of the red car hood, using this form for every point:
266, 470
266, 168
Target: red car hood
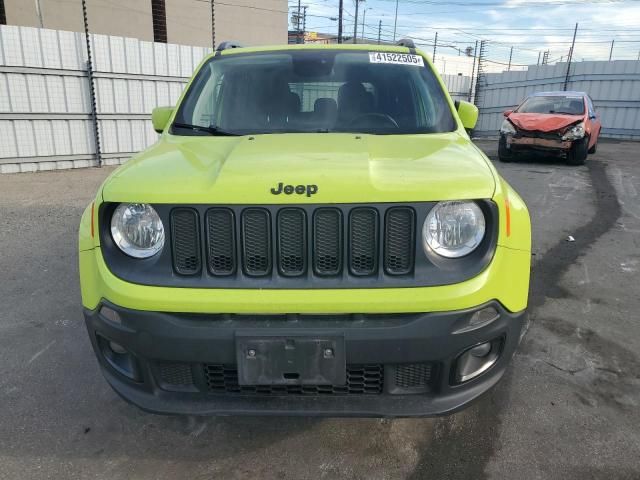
543, 122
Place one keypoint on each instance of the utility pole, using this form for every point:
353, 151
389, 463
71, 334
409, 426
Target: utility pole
380, 30
355, 24
435, 44
395, 23
510, 57
573, 44
538, 58
340, 21
298, 22
364, 14
611, 51
304, 22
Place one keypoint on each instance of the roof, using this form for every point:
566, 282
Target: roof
319, 46
559, 94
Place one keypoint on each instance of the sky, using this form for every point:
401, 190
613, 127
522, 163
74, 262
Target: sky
529, 26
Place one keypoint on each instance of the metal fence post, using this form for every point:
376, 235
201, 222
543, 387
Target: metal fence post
213, 25
569, 58
473, 71
92, 90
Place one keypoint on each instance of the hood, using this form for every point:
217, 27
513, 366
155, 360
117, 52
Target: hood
344, 168
543, 122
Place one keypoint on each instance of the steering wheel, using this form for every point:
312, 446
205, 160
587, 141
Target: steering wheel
388, 119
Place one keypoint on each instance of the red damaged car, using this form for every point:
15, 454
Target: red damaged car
560, 122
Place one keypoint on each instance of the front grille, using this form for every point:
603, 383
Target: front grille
221, 241
340, 243
327, 234
292, 241
256, 238
361, 380
186, 241
363, 239
399, 241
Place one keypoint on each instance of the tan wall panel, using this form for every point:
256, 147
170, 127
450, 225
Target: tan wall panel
127, 18
21, 12
189, 22
264, 25
251, 22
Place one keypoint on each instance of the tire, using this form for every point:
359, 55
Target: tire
593, 149
504, 155
578, 153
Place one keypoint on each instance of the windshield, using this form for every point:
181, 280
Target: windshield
553, 104
314, 91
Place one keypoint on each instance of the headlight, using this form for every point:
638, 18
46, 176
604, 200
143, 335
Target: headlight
453, 229
574, 133
137, 230
507, 128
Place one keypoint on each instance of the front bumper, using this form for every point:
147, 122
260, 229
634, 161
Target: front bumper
173, 356
536, 143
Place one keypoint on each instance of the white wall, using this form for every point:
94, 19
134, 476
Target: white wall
45, 107
45, 103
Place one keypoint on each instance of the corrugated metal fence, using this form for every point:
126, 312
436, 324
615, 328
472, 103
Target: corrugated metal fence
613, 86
458, 86
45, 103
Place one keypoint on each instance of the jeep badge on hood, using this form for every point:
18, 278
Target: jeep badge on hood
299, 189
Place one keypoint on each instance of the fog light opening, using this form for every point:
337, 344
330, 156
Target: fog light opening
119, 358
477, 359
117, 348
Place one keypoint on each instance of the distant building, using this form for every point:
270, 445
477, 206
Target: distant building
188, 22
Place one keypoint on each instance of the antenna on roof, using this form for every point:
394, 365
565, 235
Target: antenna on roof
228, 45
406, 42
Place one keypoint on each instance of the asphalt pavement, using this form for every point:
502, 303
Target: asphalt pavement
567, 408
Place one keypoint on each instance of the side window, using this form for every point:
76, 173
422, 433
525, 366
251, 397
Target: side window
204, 113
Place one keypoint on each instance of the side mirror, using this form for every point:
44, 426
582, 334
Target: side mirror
506, 113
160, 118
468, 114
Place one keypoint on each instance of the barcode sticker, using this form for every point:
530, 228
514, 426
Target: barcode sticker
397, 58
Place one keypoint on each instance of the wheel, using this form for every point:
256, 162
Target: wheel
594, 148
578, 152
504, 155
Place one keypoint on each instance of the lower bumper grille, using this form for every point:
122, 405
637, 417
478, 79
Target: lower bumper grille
368, 379
361, 380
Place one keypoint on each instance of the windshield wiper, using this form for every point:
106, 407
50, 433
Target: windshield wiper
210, 130
560, 112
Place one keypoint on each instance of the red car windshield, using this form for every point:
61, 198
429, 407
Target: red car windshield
553, 104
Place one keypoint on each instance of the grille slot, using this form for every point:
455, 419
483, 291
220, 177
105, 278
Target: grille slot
399, 241
185, 236
327, 231
221, 241
256, 241
363, 240
175, 374
361, 380
292, 241
414, 375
